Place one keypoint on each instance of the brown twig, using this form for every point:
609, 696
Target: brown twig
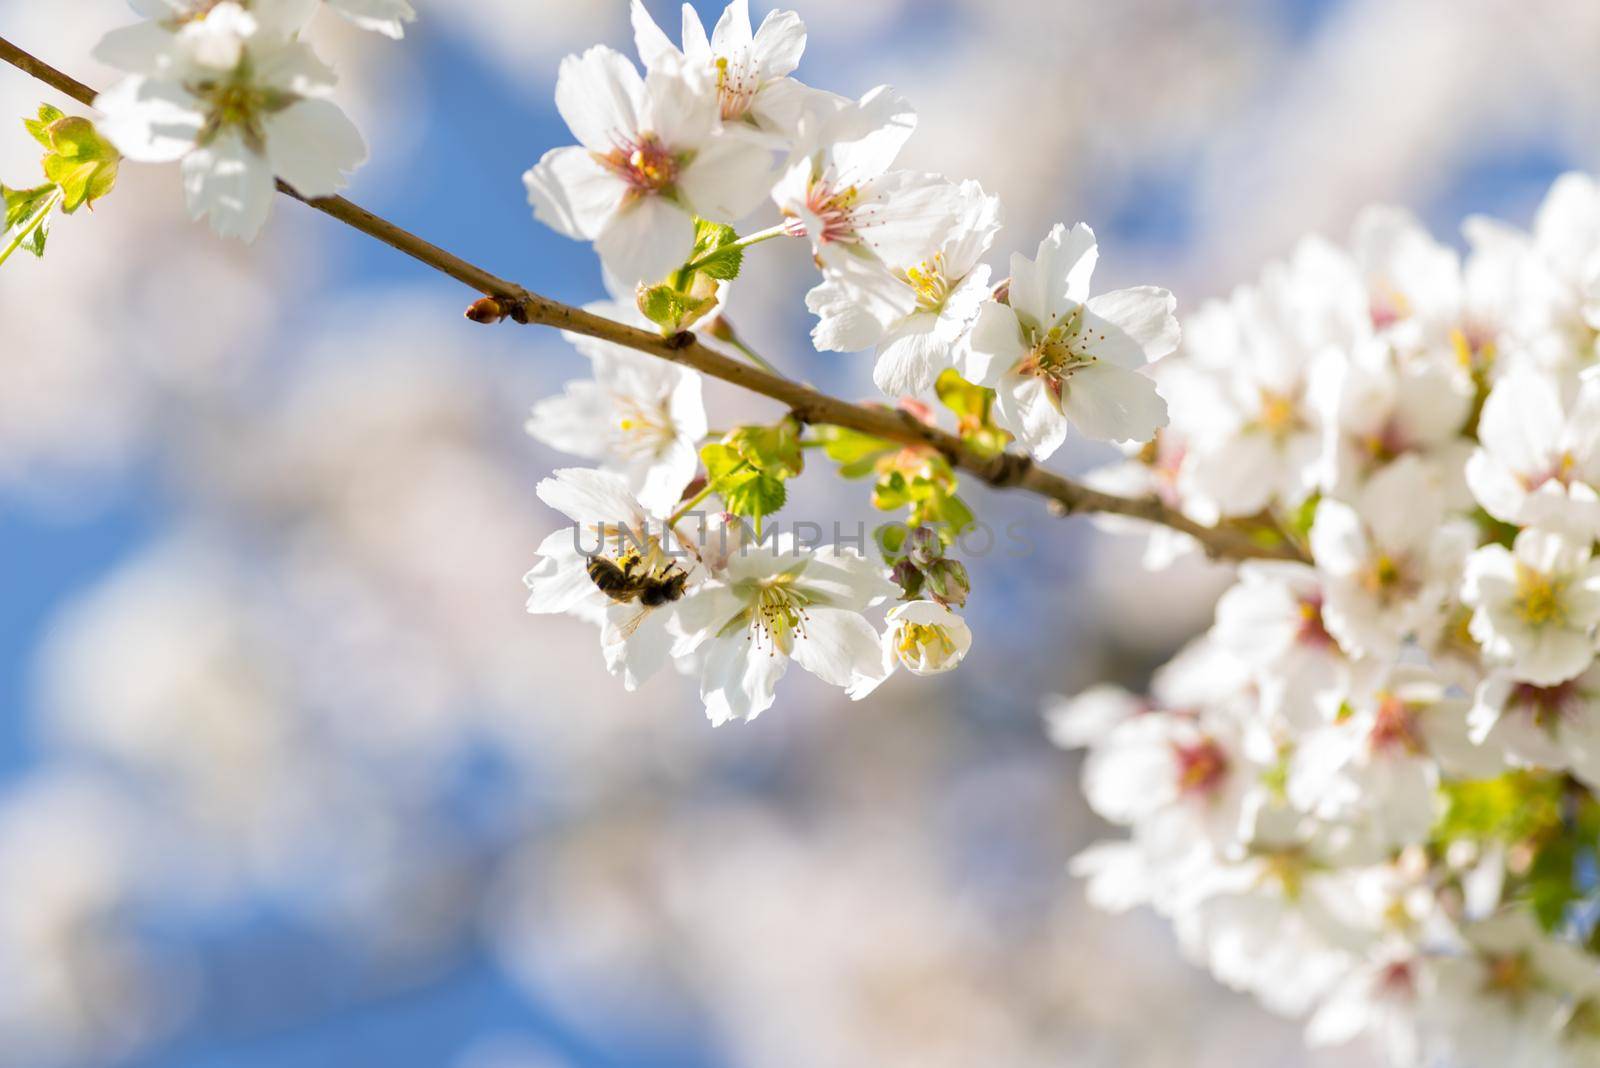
1007, 471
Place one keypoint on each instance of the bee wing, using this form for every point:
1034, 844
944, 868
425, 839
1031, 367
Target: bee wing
626, 629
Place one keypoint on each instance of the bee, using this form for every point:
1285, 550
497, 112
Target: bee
628, 580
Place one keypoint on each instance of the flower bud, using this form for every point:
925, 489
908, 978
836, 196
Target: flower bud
927, 638
948, 582
486, 310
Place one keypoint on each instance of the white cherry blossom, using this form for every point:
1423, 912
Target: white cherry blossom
1058, 357
915, 311
747, 70
651, 155
609, 523
1535, 605
776, 602
1538, 461
1374, 765
1389, 561
1555, 726
1272, 621
641, 417
241, 101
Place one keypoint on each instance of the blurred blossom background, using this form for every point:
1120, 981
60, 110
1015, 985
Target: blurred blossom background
288, 778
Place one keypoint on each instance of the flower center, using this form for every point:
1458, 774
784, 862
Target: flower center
736, 87
1202, 766
1395, 727
777, 613
643, 430
194, 12
1547, 706
1055, 354
927, 643
1278, 415
928, 281
1509, 975
1389, 577
829, 214
1540, 598
644, 163
1311, 630
236, 103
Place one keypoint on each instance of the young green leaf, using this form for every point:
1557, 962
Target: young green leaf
27, 219
711, 255
81, 162
39, 127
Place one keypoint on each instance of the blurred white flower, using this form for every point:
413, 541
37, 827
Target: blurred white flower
1535, 605
1538, 459
241, 102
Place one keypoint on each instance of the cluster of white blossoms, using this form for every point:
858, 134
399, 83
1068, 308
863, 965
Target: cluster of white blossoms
1367, 793
229, 88
674, 169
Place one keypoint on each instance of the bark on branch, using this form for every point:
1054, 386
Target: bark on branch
1008, 471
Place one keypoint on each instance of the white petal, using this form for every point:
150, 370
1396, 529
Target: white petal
654, 46
1059, 278
150, 120
856, 303
387, 17
143, 48
838, 646
1111, 403
912, 357
559, 581
576, 421
1132, 327
1338, 538
313, 145
645, 241
842, 578
739, 679
727, 179
994, 346
779, 44
589, 497
601, 96
635, 641
1521, 421
230, 186
873, 133
1024, 407
572, 193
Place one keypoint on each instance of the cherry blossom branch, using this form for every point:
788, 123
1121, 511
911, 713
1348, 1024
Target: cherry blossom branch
504, 299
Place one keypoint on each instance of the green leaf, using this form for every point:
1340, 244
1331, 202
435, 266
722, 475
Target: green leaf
774, 449
711, 256
757, 496
1304, 514
27, 222
39, 127
962, 397
748, 468
856, 453
81, 162
1512, 808
21, 203
973, 407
